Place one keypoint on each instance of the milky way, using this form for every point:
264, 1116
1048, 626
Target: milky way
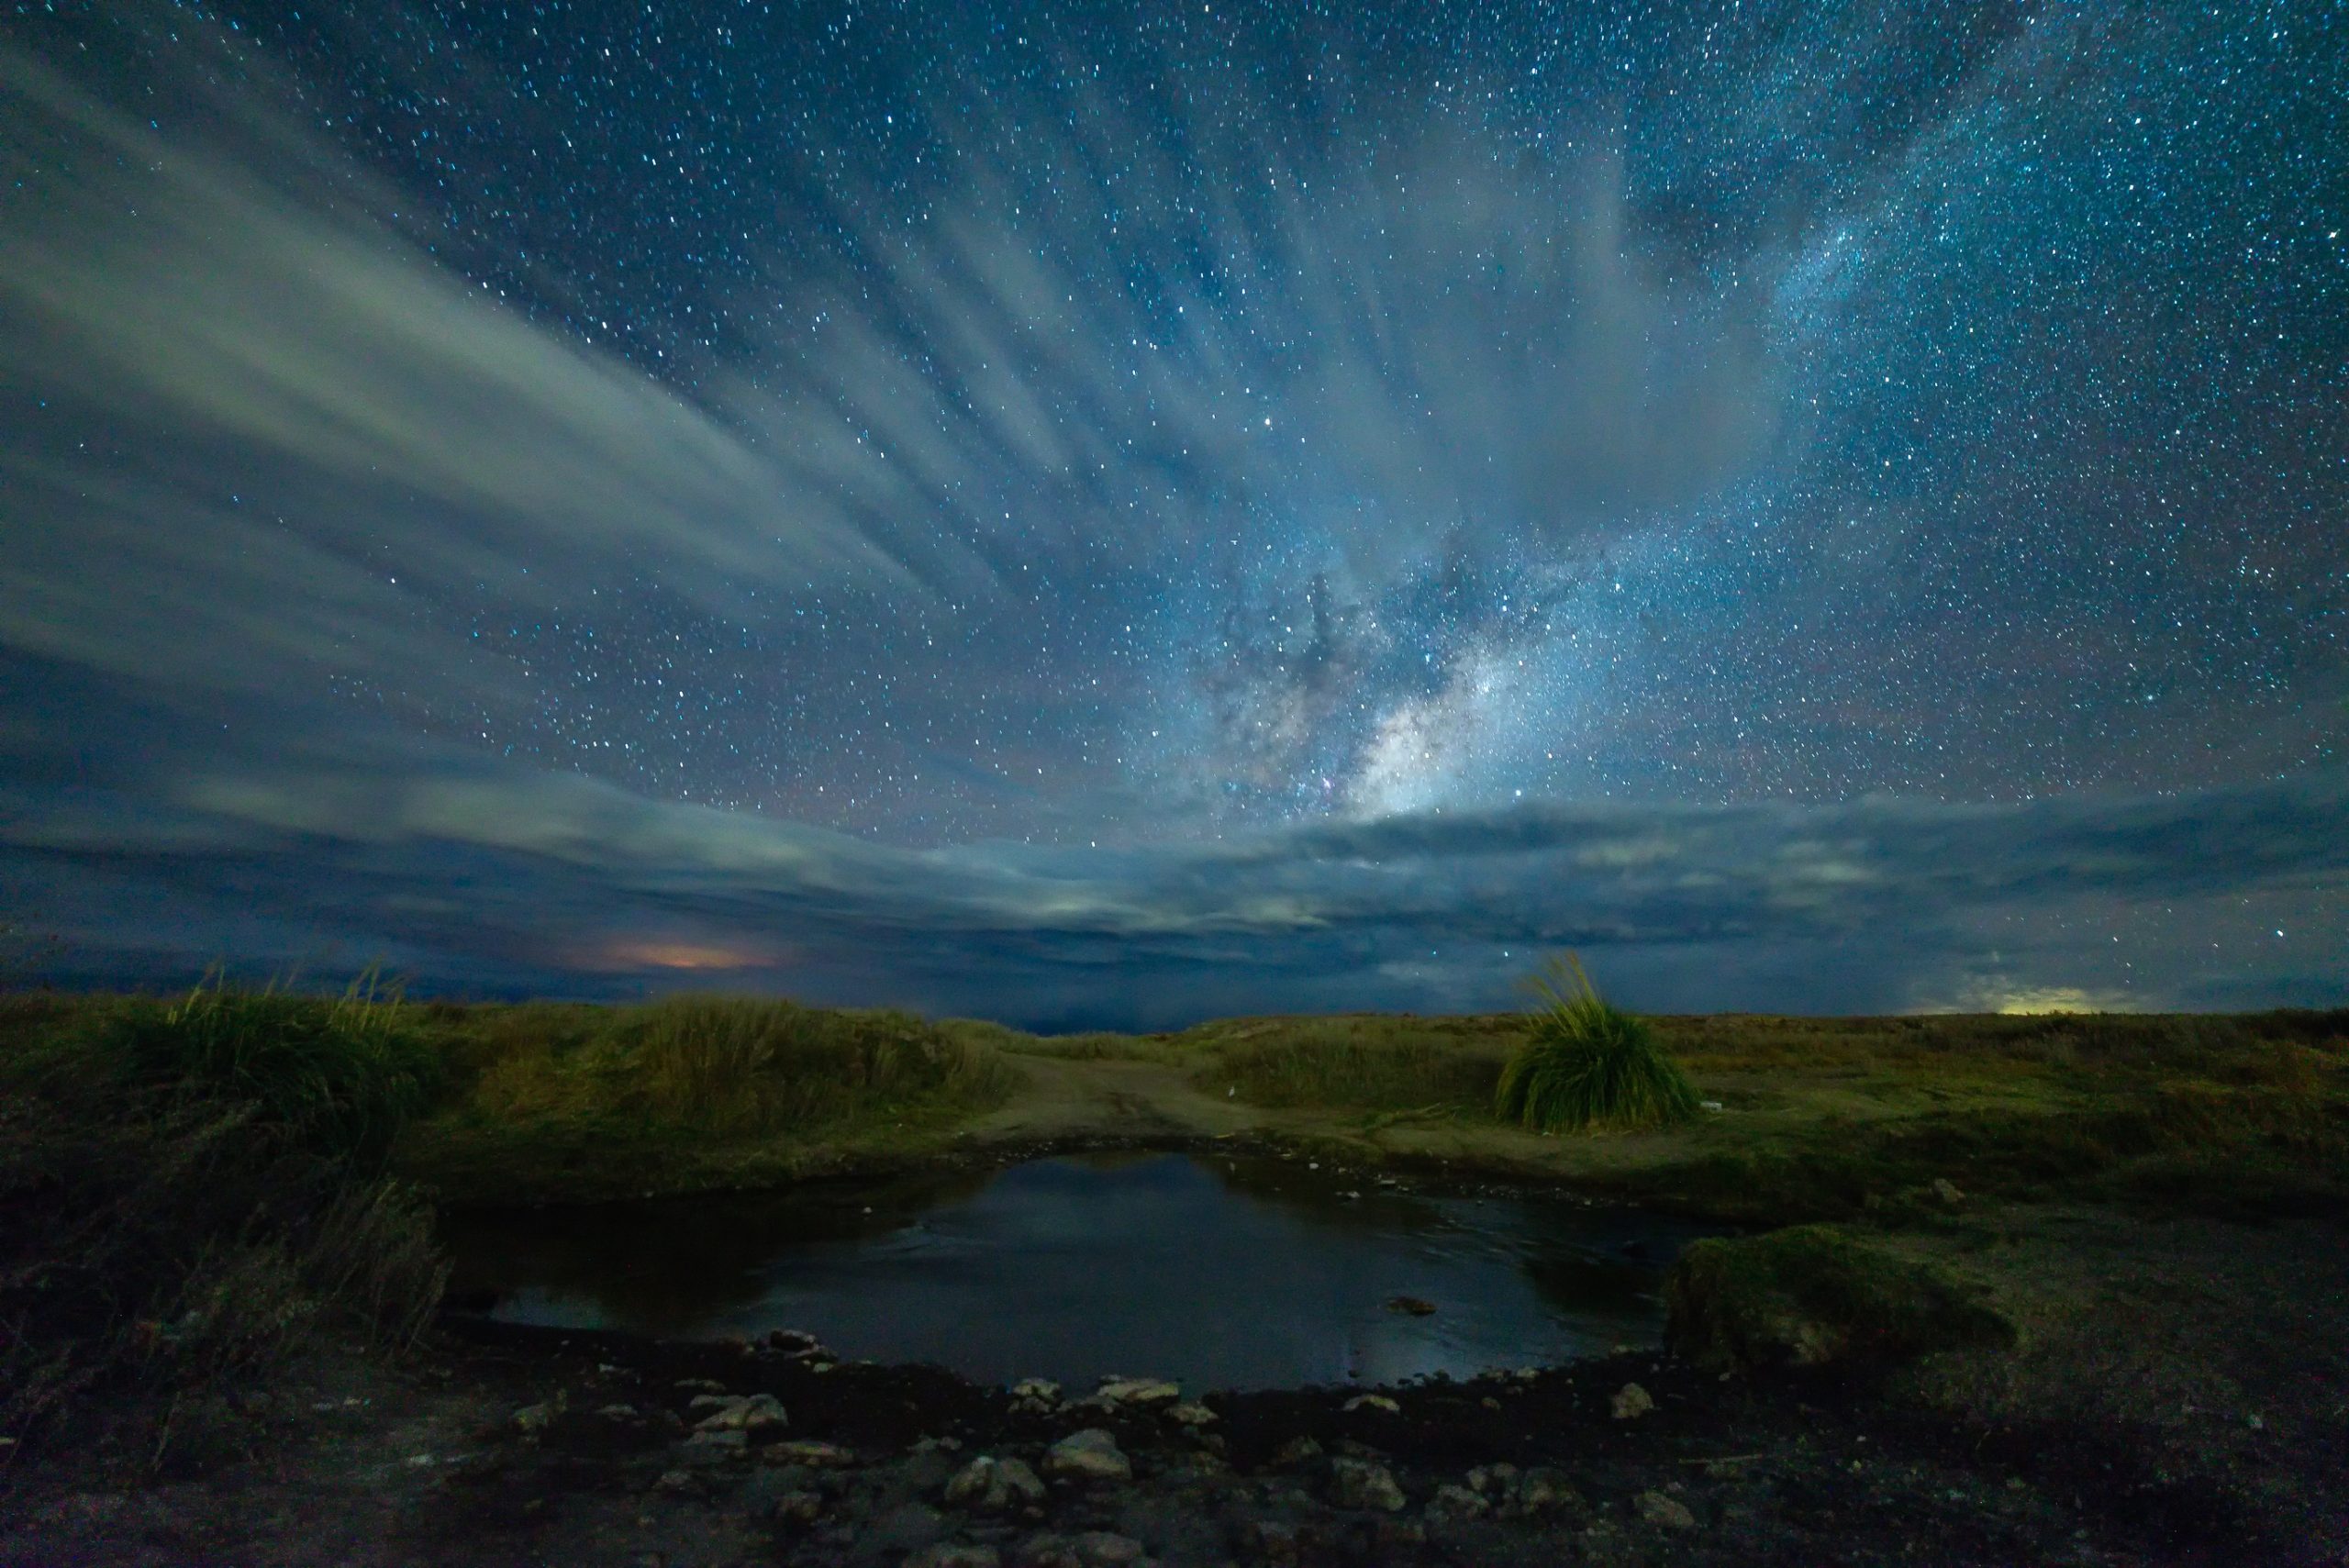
1080, 457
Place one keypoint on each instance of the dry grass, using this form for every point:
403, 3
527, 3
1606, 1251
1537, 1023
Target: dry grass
550, 1101
1348, 1063
719, 1067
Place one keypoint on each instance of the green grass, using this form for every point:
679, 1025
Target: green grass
1587, 1064
1375, 1066
189, 1190
189, 1186
340, 1076
1812, 1293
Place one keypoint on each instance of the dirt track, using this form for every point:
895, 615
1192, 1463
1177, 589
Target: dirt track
1068, 1099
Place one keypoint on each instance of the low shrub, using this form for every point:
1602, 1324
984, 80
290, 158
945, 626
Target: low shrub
1587, 1063
1813, 1293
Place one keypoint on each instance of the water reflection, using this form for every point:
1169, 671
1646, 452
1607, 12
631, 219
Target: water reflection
1238, 1272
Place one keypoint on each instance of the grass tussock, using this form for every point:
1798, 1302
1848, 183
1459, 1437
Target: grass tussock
1587, 1064
340, 1076
190, 1190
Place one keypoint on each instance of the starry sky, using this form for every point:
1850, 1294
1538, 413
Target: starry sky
1112, 515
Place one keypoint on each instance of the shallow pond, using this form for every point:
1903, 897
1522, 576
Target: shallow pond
1239, 1271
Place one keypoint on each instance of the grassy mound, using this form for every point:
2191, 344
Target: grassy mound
1588, 1063
1813, 1293
554, 1101
1351, 1064
188, 1191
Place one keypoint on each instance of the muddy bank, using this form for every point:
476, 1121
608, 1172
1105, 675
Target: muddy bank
509, 1445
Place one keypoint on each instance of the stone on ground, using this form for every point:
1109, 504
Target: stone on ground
1091, 1455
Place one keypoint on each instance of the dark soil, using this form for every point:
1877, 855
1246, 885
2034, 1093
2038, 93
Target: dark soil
429, 1465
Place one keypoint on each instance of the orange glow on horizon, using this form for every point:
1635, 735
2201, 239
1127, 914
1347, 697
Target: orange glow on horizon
686, 955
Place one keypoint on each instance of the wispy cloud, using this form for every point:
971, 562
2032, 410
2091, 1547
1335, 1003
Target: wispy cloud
231, 309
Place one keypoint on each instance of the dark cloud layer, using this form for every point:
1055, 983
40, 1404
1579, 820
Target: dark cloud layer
497, 880
1093, 514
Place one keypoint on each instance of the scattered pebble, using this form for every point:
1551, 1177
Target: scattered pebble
1630, 1401
1360, 1484
1090, 1454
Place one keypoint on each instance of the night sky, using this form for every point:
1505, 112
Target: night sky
1108, 514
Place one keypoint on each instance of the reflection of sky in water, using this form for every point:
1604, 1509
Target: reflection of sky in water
1223, 1273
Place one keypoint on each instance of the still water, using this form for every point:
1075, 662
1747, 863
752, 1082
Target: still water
1245, 1272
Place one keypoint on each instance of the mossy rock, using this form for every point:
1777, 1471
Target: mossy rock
1813, 1293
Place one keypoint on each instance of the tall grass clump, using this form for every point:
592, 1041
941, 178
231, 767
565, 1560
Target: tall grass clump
1587, 1063
190, 1190
337, 1077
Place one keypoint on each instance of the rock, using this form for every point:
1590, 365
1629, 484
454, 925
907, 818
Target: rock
1373, 1402
994, 1484
1091, 1455
794, 1343
970, 1483
1359, 1484
678, 1481
1190, 1415
909, 1527
822, 1456
1541, 1491
534, 1418
1493, 1480
1137, 1391
953, 1554
1454, 1501
1711, 1105
706, 1384
716, 1445
781, 1495
1295, 1453
1812, 1293
1272, 1542
1660, 1509
1630, 1402
618, 1413
1947, 1191
1036, 1396
1047, 1549
745, 1412
1104, 1549
1412, 1306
